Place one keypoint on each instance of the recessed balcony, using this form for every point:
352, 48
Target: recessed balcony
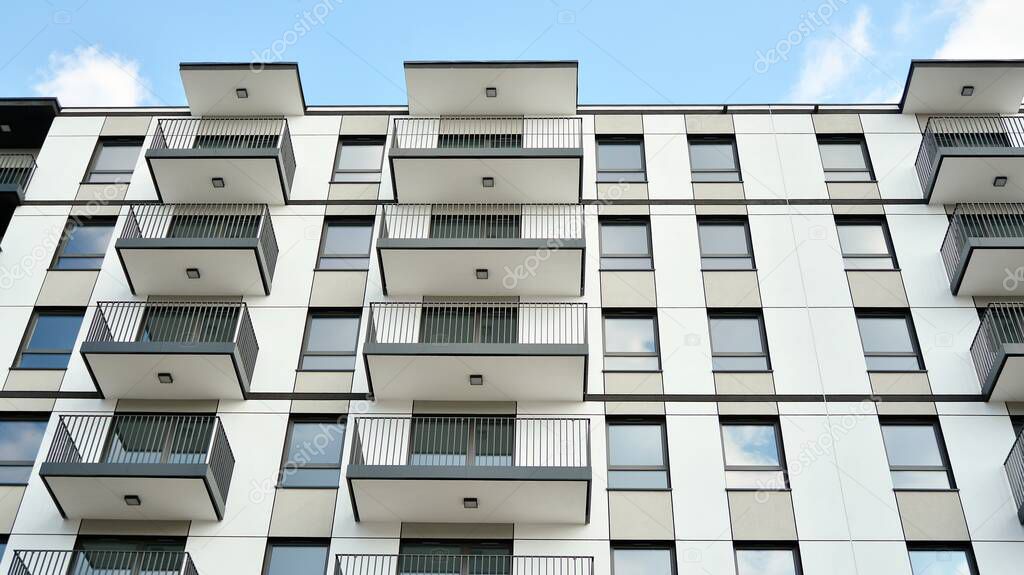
198, 249
1014, 466
101, 562
222, 160
487, 159
171, 350
482, 249
475, 351
972, 159
470, 470
481, 564
998, 352
15, 174
139, 467
984, 250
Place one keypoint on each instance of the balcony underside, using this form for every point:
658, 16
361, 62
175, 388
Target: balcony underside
520, 176
511, 372
226, 266
250, 176
11, 195
447, 267
1006, 379
419, 494
966, 175
200, 371
169, 492
989, 268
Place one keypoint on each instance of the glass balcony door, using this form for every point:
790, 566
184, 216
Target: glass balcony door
126, 557
152, 440
189, 324
455, 559
463, 441
456, 324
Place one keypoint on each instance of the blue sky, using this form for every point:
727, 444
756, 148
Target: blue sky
105, 52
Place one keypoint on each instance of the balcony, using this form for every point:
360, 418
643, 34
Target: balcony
171, 350
473, 351
1014, 466
198, 249
15, 173
984, 250
972, 159
524, 250
222, 160
101, 562
139, 467
418, 564
487, 159
470, 470
998, 352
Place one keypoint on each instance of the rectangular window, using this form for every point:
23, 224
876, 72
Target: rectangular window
714, 159
83, 244
626, 244
345, 244
725, 244
637, 454
889, 341
461, 441
637, 559
470, 324
621, 159
738, 341
941, 560
865, 244
359, 159
631, 342
49, 340
845, 159
312, 453
453, 557
294, 557
917, 455
19, 445
114, 161
330, 341
753, 454
767, 560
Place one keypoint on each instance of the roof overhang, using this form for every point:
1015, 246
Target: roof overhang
538, 88
934, 87
28, 121
271, 89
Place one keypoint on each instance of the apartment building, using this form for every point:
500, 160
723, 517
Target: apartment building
498, 332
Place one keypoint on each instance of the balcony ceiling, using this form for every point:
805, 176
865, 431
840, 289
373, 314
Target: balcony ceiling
274, 90
933, 87
157, 267
524, 88
163, 498
29, 120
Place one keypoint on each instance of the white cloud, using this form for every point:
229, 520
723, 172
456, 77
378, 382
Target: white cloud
830, 63
984, 29
89, 77
903, 29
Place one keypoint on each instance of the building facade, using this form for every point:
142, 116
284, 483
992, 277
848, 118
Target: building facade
498, 332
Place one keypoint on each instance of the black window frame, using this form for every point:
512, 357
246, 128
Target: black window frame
637, 139
739, 313
669, 546
29, 416
1017, 423
295, 542
352, 221
749, 420
358, 141
30, 330
616, 421
625, 221
703, 221
354, 313
886, 313
630, 314
940, 441
847, 139
793, 547
879, 221
65, 237
965, 547
286, 464
112, 141
714, 139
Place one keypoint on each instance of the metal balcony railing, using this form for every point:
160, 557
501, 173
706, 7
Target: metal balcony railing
1014, 466
204, 221
422, 564
483, 221
185, 323
488, 132
471, 442
16, 171
145, 439
964, 132
477, 323
1001, 325
979, 221
99, 562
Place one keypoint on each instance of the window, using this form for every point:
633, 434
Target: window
454, 557
83, 244
359, 159
114, 161
495, 323
767, 560
631, 342
637, 455
291, 557
753, 454
182, 441
714, 159
917, 455
865, 244
109, 555
738, 341
621, 159
345, 244
889, 341
626, 244
189, 323
642, 560
49, 340
330, 342
725, 244
19, 445
312, 453
461, 441
845, 159
941, 560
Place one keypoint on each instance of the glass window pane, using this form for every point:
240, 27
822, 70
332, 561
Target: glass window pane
715, 176
739, 363
920, 479
316, 442
752, 479
862, 239
723, 240
626, 363
54, 332
736, 335
939, 562
87, 239
297, 560
629, 335
116, 158
892, 363
332, 334
361, 156
717, 156
620, 156
726, 263
44, 360
636, 445
642, 561
842, 156
885, 334
750, 445
624, 240
347, 240
868, 263
638, 479
328, 362
20, 439
765, 562
911, 445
